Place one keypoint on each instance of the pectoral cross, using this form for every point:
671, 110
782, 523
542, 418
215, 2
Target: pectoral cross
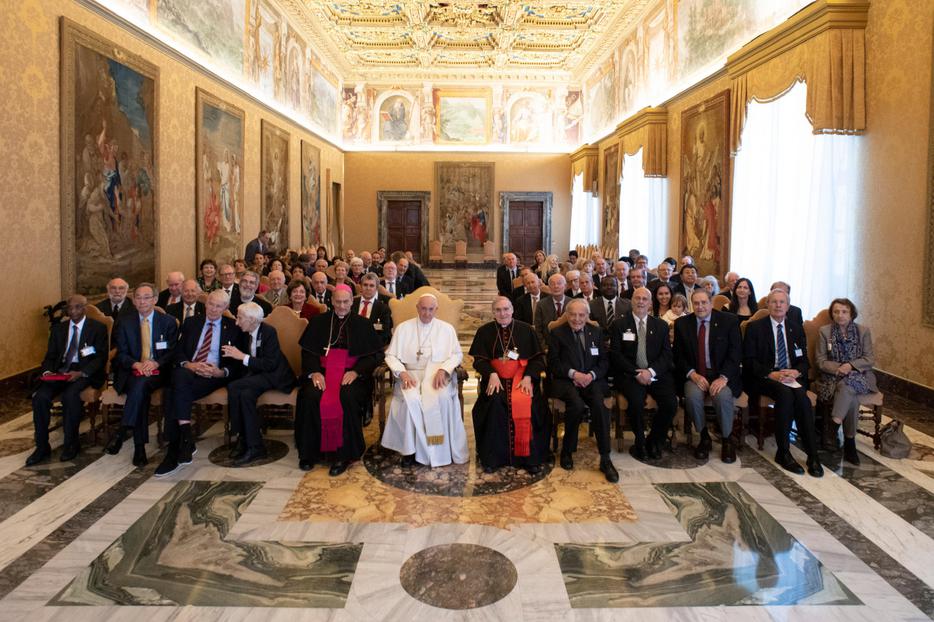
418, 354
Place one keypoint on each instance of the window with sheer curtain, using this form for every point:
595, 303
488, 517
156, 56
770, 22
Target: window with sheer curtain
794, 197
643, 211
585, 214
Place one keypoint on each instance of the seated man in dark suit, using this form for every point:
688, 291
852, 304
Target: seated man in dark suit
640, 354
409, 271
394, 286
775, 363
246, 292
505, 274
574, 284
374, 307
588, 292
708, 351
687, 283
663, 273
227, 278
319, 289
116, 304
577, 363
78, 349
173, 290
277, 294
609, 306
527, 303
520, 289
550, 308
145, 345
189, 305
637, 279
794, 313
265, 368
201, 368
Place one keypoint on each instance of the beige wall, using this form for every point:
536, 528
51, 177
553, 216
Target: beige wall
369, 173
29, 181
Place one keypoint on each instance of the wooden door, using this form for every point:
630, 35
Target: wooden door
404, 227
525, 229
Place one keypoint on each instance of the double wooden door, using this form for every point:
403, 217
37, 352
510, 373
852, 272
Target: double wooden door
404, 226
525, 229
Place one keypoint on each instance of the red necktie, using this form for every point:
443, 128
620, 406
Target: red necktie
363, 309
702, 348
558, 309
205, 348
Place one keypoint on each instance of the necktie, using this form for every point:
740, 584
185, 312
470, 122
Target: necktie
205, 348
365, 308
702, 348
72, 349
558, 307
781, 349
392, 287
189, 311
116, 310
583, 348
610, 313
145, 340
642, 361
251, 344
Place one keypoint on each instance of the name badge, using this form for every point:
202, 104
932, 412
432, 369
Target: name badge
629, 336
377, 326
594, 351
259, 344
513, 354
798, 352
162, 345
830, 345
87, 350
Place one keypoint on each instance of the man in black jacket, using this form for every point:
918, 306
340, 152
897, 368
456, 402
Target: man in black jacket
77, 351
506, 273
189, 306
172, 293
116, 304
577, 362
708, 351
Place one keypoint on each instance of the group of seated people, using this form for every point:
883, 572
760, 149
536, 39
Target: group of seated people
559, 339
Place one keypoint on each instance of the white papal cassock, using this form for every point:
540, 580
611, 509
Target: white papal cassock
424, 421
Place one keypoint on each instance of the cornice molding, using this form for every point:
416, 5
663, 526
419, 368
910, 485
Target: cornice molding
641, 119
587, 151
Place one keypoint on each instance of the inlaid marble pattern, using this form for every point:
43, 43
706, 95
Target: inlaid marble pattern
738, 555
458, 576
177, 553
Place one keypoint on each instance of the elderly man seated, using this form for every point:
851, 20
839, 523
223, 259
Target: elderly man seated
425, 423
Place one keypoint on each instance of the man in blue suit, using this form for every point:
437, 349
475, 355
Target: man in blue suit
145, 345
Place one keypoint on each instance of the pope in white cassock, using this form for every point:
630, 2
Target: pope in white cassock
425, 423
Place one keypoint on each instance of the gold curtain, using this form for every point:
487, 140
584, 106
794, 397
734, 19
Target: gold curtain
584, 162
647, 130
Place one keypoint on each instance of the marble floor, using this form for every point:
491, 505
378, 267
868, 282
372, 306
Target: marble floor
96, 539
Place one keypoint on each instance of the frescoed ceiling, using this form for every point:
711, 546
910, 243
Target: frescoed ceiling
434, 40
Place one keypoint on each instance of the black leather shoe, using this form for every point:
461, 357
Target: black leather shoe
40, 455
69, 453
849, 451
114, 444
788, 463
609, 471
139, 456
408, 461
702, 451
306, 465
367, 417
168, 465
567, 462
653, 452
338, 468
533, 469
238, 450
814, 467
251, 455
637, 452
728, 451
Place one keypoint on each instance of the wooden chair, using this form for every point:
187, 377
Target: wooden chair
489, 254
435, 254
460, 254
450, 310
720, 301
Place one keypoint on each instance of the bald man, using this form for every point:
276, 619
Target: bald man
116, 304
173, 290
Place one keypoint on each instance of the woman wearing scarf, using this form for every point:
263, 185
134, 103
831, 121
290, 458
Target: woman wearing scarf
844, 356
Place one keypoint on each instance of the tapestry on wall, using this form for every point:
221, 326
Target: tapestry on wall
274, 197
611, 197
219, 192
705, 183
109, 163
311, 195
465, 202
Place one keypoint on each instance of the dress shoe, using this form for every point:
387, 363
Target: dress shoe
238, 450
727, 451
408, 461
338, 468
788, 463
139, 456
609, 471
115, 443
637, 452
306, 465
251, 455
849, 451
702, 451
69, 453
814, 467
567, 462
653, 451
40, 455
168, 465
367, 417
533, 469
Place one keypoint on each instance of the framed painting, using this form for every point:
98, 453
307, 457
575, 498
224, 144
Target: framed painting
219, 129
465, 202
464, 117
395, 118
611, 174
705, 184
274, 195
311, 194
109, 163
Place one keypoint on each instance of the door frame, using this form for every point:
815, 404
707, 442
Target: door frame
546, 199
383, 197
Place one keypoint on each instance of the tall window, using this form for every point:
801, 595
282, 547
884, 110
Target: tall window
585, 214
643, 211
794, 194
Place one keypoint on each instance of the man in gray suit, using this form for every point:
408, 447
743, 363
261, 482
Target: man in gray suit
551, 308
610, 305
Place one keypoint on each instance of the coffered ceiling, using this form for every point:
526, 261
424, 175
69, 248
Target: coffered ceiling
377, 40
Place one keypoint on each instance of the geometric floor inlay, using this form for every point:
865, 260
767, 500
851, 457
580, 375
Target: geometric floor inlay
738, 555
458, 576
177, 553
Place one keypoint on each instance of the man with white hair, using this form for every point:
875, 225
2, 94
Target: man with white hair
265, 368
116, 305
394, 286
506, 273
574, 281
246, 292
551, 308
276, 294
173, 290
527, 303
425, 423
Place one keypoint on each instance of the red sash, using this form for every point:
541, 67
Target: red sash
335, 363
520, 404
